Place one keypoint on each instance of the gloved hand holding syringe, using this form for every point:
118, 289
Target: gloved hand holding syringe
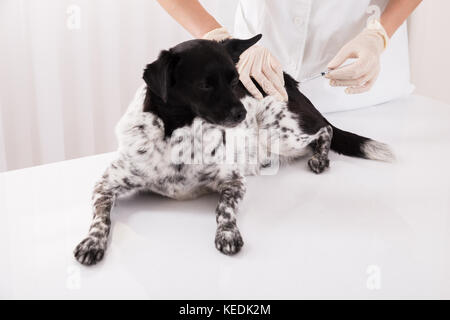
364, 51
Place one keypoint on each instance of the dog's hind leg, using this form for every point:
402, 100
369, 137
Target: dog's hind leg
321, 146
114, 182
232, 189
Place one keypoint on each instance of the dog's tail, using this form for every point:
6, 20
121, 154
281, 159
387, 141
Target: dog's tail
353, 145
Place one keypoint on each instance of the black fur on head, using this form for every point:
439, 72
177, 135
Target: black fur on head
159, 74
235, 47
197, 78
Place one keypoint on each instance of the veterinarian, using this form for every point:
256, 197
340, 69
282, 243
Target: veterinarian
305, 38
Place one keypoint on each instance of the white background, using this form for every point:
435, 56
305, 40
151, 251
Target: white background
63, 87
430, 49
364, 229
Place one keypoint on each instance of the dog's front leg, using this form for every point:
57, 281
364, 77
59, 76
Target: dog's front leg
115, 181
228, 238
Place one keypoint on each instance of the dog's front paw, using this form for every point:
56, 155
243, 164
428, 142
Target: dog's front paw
318, 164
228, 239
90, 251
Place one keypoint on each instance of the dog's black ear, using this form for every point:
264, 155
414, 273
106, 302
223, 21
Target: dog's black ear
158, 75
235, 47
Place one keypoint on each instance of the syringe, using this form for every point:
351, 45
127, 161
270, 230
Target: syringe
322, 74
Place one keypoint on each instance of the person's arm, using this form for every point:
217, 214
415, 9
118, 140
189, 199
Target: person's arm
367, 48
396, 12
191, 15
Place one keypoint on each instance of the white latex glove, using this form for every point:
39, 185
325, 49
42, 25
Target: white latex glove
366, 48
218, 34
258, 63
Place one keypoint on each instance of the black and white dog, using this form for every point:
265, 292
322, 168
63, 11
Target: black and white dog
176, 132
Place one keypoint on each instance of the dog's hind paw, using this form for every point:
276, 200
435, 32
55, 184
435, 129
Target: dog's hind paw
228, 239
318, 164
90, 251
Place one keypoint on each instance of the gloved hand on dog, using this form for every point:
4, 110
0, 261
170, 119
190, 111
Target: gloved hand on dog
367, 48
257, 63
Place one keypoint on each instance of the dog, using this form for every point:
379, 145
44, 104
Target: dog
192, 99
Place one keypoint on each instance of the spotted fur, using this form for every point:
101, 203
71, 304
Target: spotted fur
145, 162
186, 157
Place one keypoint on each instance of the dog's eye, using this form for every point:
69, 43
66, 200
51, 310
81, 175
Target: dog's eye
204, 86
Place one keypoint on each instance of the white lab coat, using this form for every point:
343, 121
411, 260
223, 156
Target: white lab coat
306, 34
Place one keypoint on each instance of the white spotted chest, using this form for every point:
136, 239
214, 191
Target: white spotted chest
196, 157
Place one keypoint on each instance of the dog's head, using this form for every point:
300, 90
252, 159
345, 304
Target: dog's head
201, 75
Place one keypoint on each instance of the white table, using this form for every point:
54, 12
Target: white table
363, 229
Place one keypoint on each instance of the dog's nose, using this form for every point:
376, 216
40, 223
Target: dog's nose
238, 114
